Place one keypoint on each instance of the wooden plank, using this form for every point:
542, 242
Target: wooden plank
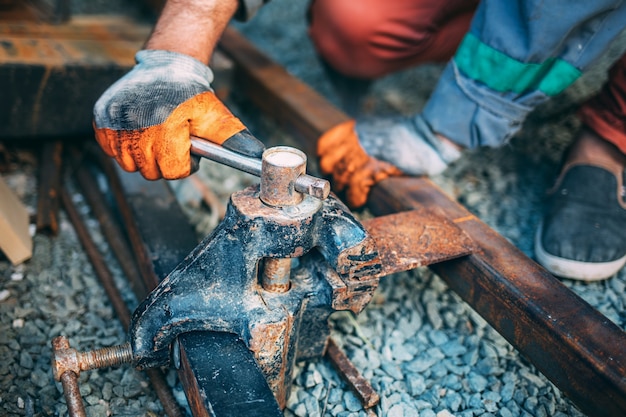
15, 240
52, 75
572, 344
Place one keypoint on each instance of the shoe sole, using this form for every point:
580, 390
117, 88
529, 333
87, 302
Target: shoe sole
567, 268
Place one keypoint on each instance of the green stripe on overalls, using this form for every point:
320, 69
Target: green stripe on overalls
505, 74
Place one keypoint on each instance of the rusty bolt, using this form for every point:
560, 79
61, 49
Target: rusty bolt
68, 362
65, 358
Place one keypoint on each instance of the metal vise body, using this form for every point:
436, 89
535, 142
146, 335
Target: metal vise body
242, 279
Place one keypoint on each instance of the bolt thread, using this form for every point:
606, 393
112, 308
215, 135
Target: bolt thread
109, 356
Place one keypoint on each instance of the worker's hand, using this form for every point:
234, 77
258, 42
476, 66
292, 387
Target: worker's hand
360, 154
144, 120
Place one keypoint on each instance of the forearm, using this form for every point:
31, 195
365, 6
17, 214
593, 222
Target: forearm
192, 27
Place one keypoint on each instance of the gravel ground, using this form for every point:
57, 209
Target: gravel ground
424, 350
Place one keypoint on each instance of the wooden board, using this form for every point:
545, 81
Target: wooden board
15, 240
52, 75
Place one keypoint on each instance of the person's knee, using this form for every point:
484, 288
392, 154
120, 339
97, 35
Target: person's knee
342, 32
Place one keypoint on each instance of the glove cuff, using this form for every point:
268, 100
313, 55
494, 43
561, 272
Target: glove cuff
176, 62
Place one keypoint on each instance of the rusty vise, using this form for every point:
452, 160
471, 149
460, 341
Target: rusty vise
262, 286
286, 256
271, 273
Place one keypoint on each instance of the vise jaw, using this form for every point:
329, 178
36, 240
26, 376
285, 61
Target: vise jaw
271, 273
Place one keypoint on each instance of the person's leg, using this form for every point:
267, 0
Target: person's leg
583, 234
367, 39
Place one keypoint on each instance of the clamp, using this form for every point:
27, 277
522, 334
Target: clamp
286, 255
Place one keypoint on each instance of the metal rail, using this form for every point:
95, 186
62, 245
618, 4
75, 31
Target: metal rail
570, 342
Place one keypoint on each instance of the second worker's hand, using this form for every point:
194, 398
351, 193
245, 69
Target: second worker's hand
359, 154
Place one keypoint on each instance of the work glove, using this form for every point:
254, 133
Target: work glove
144, 120
359, 154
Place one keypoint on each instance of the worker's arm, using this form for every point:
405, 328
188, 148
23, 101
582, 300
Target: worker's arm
192, 27
145, 119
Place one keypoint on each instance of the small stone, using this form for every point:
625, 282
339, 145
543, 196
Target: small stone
396, 410
26, 360
531, 404
453, 348
427, 413
96, 410
107, 391
351, 402
477, 383
416, 385
505, 412
507, 391
312, 406
20, 402
453, 401
400, 353
445, 413
432, 312
392, 370
18, 323
4, 294
312, 379
300, 410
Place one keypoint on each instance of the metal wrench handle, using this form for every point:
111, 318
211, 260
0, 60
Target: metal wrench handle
305, 183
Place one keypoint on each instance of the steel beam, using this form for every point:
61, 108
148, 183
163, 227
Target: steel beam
577, 348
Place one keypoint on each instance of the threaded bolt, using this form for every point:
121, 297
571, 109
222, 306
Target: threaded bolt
104, 357
65, 358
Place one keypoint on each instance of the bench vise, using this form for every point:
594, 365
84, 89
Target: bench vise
286, 256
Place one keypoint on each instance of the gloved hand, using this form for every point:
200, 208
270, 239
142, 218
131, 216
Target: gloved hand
144, 120
360, 154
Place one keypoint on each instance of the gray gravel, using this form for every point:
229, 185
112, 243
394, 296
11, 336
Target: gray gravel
424, 350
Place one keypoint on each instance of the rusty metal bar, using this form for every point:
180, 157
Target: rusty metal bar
157, 378
569, 341
97, 261
146, 270
109, 226
135, 198
414, 238
48, 190
359, 385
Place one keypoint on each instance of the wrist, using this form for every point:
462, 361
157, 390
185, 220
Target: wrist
191, 27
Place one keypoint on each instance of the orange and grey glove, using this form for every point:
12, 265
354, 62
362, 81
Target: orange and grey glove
359, 154
144, 120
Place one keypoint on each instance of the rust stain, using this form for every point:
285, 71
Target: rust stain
38, 96
464, 219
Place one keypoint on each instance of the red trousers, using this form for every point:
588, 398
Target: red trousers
605, 113
371, 38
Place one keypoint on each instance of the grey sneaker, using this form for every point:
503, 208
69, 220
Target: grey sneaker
583, 232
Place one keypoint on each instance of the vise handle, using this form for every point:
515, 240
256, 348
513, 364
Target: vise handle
306, 184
